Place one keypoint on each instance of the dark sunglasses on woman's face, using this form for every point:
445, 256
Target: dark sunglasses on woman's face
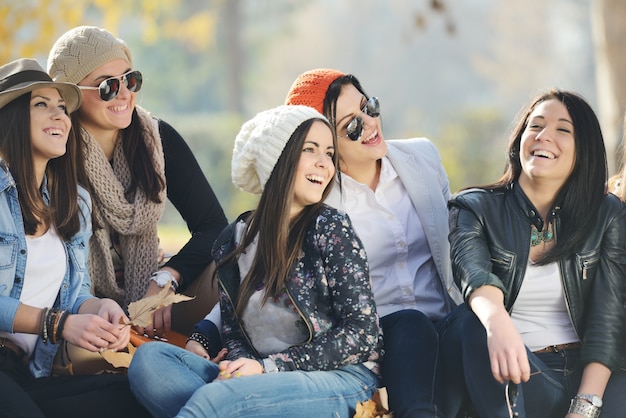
355, 127
110, 87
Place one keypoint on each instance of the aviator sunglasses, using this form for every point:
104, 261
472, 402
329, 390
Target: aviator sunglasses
110, 87
355, 127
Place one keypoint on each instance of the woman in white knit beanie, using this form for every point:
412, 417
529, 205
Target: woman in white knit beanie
133, 162
298, 317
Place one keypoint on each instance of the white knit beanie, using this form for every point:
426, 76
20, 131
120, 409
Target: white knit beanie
261, 141
81, 50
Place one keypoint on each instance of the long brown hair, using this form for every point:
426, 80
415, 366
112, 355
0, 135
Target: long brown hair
280, 237
143, 173
15, 148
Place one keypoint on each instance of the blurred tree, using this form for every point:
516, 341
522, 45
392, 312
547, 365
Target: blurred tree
609, 34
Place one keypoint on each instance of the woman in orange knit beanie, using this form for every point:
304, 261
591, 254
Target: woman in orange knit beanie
395, 193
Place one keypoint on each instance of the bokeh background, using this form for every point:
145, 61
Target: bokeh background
456, 72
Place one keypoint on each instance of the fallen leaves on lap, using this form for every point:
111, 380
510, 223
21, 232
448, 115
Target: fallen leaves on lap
372, 408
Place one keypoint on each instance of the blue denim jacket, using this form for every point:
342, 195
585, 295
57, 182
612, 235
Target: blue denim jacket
75, 288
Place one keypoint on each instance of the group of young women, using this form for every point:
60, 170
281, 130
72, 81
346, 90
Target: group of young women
350, 274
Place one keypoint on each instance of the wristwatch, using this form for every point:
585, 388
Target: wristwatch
162, 277
592, 399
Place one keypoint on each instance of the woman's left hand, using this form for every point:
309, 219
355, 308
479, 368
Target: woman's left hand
237, 368
112, 312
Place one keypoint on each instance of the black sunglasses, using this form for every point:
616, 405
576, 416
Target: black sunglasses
110, 87
355, 127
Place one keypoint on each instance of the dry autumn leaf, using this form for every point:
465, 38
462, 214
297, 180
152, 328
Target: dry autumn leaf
119, 358
140, 312
372, 408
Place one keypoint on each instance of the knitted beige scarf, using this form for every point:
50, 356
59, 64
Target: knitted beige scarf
134, 218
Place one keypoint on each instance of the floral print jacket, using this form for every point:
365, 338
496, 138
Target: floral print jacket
330, 288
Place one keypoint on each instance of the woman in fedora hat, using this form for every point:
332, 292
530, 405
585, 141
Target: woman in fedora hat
44, 230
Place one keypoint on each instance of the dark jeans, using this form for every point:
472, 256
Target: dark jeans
410, 362
15, 402
64, 396
452, 397
554, 380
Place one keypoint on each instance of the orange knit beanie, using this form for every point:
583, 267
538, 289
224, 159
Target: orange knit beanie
310, 88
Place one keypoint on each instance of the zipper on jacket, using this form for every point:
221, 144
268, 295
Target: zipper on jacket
239, 323
585, 265
304, 318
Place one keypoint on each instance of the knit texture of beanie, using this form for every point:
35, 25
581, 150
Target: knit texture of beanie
310, 88
261, 141
81, 50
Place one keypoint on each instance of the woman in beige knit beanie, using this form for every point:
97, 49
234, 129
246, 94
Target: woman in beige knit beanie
127, 151
298, 316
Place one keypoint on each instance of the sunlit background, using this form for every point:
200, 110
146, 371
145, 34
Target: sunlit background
456, 72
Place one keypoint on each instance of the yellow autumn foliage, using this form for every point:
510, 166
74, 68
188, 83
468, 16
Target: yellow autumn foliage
28, 28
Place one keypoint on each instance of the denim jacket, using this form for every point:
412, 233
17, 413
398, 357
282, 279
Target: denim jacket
75, 288
329, 287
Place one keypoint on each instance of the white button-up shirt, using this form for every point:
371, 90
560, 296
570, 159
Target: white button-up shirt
402, 270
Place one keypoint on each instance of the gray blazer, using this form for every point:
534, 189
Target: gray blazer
419, 167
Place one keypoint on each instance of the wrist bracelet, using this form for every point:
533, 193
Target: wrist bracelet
584, 408
269, 366
201, 339
43, 332
61, 325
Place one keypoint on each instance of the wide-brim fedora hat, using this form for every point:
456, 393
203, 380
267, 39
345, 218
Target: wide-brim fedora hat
25, 75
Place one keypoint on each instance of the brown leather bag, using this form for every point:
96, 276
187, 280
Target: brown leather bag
74, 360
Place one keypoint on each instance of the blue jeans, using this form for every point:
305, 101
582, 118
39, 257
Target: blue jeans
554, 380
170, 381
410, 363
451, 395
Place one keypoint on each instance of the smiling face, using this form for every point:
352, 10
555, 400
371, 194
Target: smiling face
49, 126
371, 146
548, 146
315, 167
105, 119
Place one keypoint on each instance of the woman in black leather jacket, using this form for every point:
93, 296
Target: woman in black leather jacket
540, 258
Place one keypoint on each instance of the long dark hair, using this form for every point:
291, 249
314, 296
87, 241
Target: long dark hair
581, 195
15, 148
143, 173
330, 108
280, 237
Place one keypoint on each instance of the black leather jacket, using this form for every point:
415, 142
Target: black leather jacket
490, 243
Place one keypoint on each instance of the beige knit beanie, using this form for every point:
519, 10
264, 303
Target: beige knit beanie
261, 141
81, 50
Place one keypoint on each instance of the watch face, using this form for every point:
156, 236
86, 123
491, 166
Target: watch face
161, 279
596, 401
593, 399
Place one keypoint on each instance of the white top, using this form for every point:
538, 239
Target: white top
540, 313
402, 270
45, 268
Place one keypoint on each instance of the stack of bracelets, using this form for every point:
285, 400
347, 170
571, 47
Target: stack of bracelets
51, 323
